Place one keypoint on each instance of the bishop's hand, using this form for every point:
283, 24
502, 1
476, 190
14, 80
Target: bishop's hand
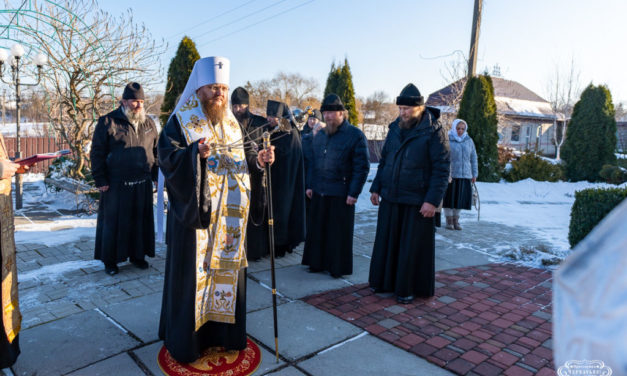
203, 149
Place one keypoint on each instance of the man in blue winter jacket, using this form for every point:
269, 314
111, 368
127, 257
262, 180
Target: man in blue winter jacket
336, 174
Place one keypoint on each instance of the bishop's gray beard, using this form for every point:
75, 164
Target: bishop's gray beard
215, 112
133, 117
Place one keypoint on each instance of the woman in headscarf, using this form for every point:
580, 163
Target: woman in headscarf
464, 172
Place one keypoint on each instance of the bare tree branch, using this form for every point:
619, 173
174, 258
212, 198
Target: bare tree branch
91, 55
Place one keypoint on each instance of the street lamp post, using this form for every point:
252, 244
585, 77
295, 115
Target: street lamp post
17, 51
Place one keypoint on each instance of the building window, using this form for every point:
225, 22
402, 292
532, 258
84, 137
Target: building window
515, 133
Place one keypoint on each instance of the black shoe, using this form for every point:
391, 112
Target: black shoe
405, 299
112, 270
141, 264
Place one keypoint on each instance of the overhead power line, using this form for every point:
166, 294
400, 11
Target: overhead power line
254, 13
256, 23
211, 19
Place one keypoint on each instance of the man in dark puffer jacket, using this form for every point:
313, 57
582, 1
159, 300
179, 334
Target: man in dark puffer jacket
411, 180
337, 171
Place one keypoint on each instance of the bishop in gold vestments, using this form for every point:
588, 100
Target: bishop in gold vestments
207, 165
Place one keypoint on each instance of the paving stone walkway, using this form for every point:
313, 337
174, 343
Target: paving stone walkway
483, 320
77, 320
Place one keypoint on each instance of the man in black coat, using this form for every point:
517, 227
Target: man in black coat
338, 169
411, 180
288, 180
253, 126
124, 165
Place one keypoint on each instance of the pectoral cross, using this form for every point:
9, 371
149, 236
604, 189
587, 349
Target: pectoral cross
220, 64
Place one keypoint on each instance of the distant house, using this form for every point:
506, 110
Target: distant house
526, 120
621, 136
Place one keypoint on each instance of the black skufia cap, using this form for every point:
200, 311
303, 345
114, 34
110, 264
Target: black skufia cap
240, 96
332, 103
133, 91
276, 109
410, 96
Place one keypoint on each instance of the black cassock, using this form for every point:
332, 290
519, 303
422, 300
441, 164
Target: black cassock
257, 242
125, 159
288, 191
403, 260
190, 208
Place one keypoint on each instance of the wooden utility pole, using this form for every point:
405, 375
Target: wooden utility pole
474, 39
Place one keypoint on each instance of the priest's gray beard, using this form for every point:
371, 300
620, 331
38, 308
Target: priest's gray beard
133, 117
215, 112
331, 128
409, 123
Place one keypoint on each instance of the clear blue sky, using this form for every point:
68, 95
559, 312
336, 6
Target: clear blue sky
390, 43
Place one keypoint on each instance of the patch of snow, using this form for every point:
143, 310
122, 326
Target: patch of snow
542, 208
60, 231
621, 156
551, 160
56, 271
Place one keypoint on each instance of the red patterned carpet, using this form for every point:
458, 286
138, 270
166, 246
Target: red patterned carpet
485, 320
214, 362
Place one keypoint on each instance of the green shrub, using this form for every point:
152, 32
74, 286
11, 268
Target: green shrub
532, 166
590, 135
613, 174
590, 207
478, 108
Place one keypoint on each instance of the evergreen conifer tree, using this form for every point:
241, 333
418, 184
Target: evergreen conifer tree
340, 82
178, 73
333, 80
348, 93
478, 108
590, 135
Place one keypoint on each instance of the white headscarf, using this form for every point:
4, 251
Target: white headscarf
452, 134
206, 71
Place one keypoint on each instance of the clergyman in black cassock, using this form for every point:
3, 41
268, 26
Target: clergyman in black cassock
338, 164
288, 180
253, 126
124, 167
411, 180
206, 169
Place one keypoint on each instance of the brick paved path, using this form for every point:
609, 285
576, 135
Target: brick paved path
484, 320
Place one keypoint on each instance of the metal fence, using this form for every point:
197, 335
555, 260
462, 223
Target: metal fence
36, 145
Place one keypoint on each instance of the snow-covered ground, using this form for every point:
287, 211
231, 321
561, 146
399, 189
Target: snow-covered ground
540, 208
66, 227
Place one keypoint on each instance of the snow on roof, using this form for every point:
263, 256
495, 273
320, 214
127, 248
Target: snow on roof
521, 107
511, 97
446, 109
